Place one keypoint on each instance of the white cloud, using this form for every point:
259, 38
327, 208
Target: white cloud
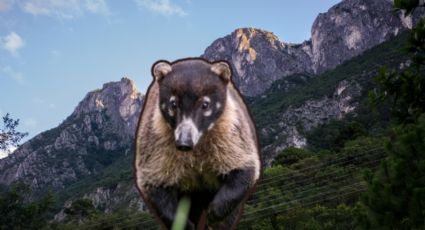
12, 43
9, 72
97, 7
164, 7
64, 9
4, 154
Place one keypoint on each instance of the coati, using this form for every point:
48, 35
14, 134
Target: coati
196, 138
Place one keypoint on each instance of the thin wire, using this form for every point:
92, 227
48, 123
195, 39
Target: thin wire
308, 197
117, 218
249, 219
301, 193
330, 173
247, 215
381, 150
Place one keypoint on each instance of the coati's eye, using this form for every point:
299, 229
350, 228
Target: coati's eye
205, 105
173, 103
205, 102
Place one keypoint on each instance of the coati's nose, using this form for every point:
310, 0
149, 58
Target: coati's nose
184, 142
186, 135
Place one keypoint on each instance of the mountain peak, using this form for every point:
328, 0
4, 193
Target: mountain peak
100, 129
351, 27
118, 96
258, 58
346, 30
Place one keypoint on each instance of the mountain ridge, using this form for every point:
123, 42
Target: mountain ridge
102, 125
346, 30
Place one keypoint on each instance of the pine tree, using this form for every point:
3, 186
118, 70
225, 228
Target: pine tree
395, 197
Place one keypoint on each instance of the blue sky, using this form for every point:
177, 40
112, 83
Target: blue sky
52, 52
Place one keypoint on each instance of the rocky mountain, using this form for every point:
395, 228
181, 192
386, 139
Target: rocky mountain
98, 132
295, 106
296, 120
258, 58
351, 27
346, 30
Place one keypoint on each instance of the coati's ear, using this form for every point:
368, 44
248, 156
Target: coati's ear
222, 69
160, 69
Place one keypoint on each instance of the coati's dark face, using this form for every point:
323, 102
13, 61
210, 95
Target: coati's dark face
192, 97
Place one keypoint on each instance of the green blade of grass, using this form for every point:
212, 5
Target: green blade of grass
182, 214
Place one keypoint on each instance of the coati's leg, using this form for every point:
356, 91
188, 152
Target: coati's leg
165, 200
229, 196
229, 221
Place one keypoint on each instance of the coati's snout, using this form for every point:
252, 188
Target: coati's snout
186, 135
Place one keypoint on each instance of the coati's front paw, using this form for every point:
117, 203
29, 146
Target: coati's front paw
215, 213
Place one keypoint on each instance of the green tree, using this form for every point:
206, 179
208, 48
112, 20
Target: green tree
396, 192
80, 211
9, 137
16, 212
395, 197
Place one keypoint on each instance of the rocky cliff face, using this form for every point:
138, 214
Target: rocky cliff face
258, 57
312, 113
351, 27
99, 130
123, 196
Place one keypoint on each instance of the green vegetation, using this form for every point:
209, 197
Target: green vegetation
395, 196
121, 171
9, 136
17, 212
128, 220
313, 190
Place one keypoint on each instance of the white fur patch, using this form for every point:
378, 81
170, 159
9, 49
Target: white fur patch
208, 113
211, 126
171, 112
207, 99
172, 98
186, 127
218, 105
163, 106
